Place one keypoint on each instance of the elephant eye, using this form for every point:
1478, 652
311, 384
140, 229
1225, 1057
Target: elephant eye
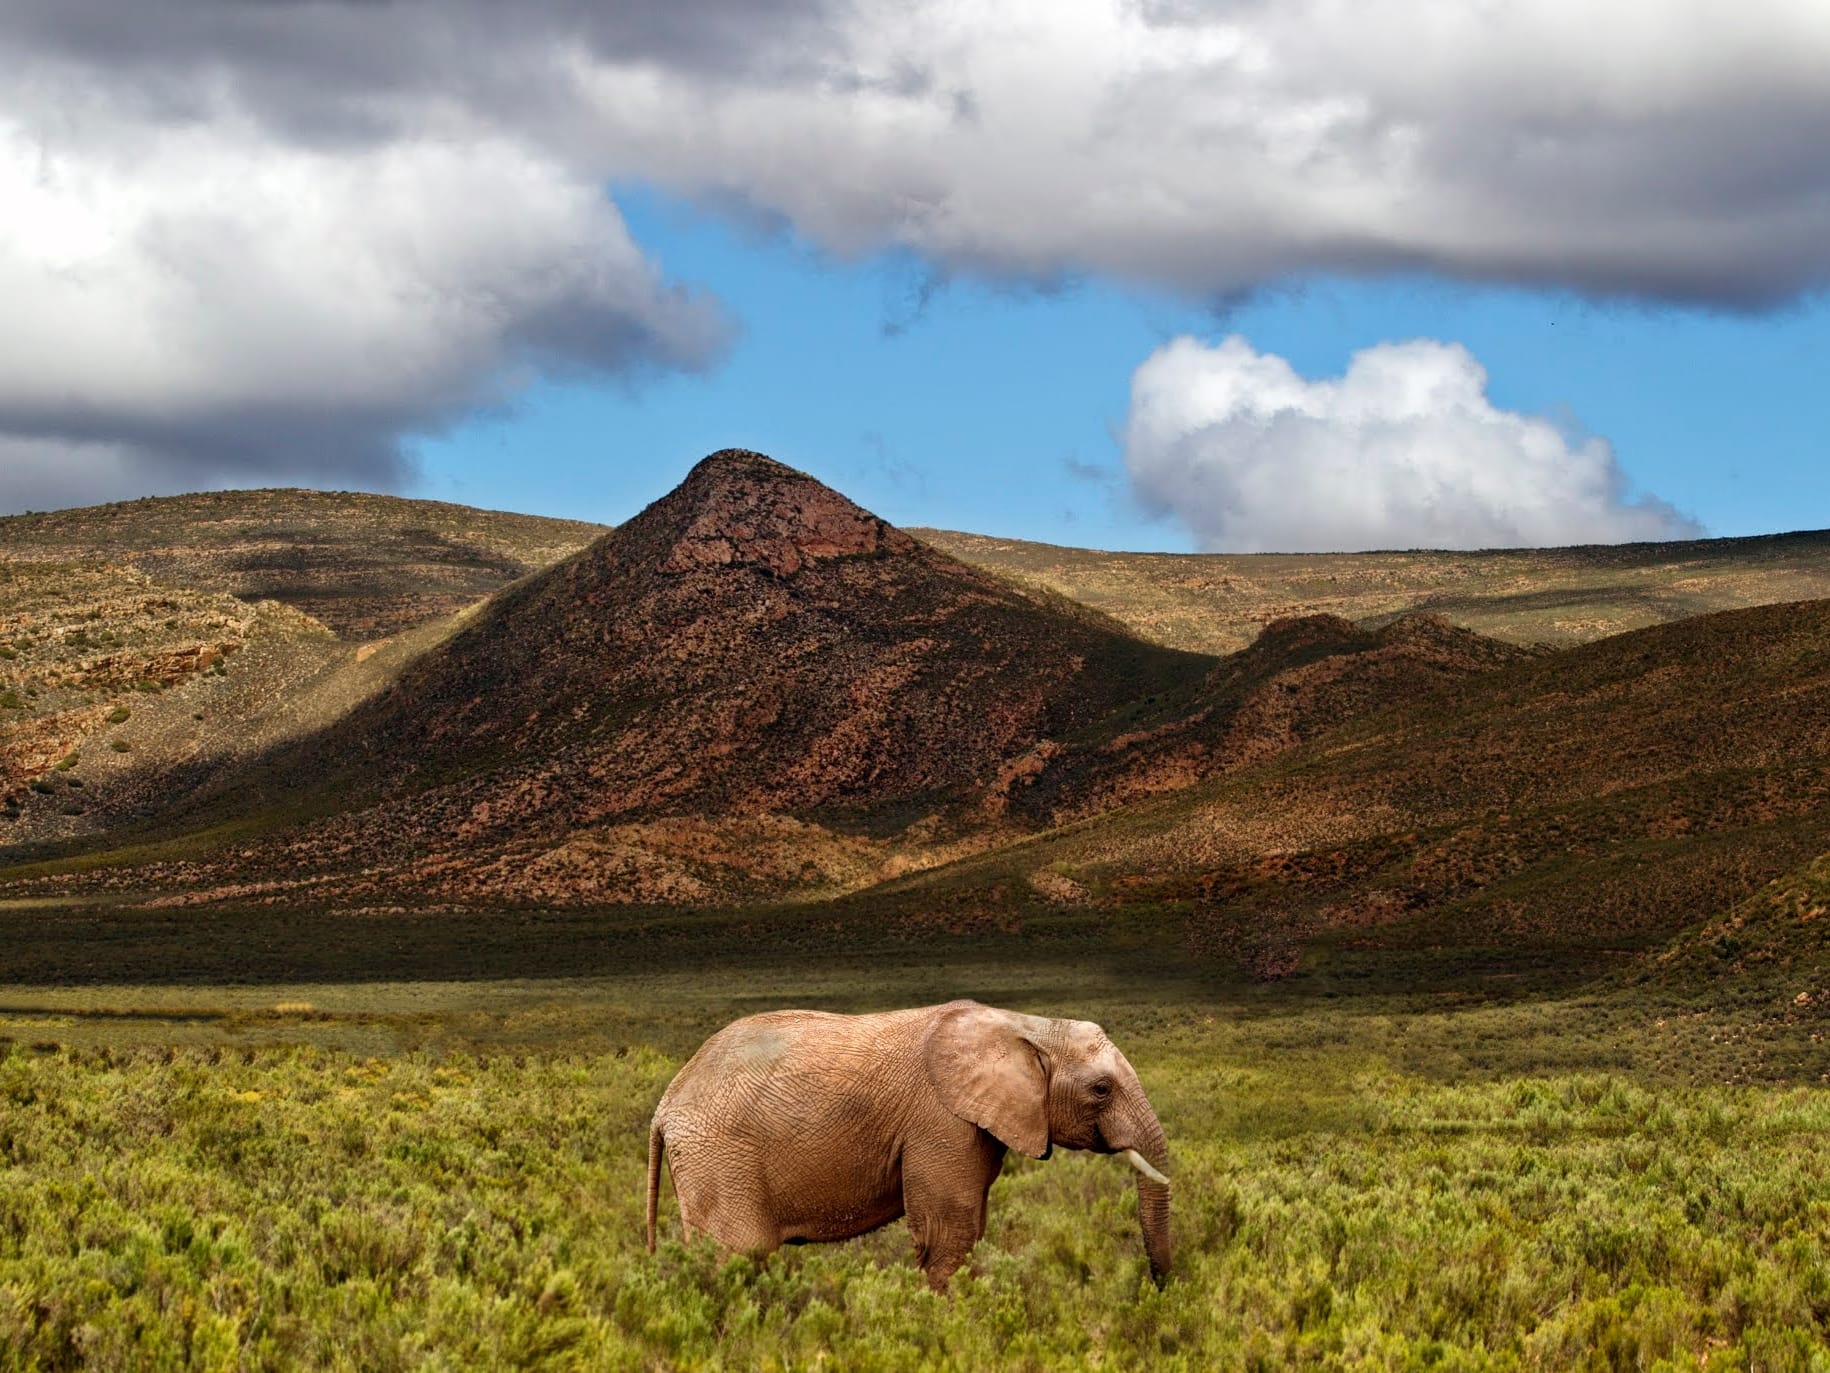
1102, 1088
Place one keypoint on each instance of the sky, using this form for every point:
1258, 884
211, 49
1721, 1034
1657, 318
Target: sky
1168, 274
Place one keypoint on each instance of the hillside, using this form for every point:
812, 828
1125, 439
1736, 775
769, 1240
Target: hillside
367, 566
108, 680
753, 685
1773, 944
1216, 602
756, 692
1600, 798
1299, 678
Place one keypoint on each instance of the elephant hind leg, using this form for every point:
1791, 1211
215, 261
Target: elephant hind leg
741, 1229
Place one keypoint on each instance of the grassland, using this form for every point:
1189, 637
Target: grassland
380, 1175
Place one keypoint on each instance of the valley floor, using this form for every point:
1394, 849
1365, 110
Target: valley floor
421, 1174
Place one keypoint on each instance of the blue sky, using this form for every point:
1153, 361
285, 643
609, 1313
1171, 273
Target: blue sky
998, 409
1196, 274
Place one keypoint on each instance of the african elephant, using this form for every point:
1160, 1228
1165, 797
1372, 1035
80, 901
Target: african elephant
801, 1125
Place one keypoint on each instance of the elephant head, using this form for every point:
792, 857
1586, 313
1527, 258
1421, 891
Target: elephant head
1035, 1083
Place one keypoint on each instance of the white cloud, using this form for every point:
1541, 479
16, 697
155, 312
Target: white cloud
194, 302
246, 234
1677, 149
1403, 451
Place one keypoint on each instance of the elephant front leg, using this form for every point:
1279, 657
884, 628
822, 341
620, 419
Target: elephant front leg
943, 1241
943, 1193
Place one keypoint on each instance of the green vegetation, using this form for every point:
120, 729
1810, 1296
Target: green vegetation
302, 1205
451, 1175
120, 715
119, 745
68, 761
11, 700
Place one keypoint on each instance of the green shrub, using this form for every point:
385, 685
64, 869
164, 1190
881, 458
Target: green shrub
119, 745
119, 715
11, 700
305, 1207
68, 761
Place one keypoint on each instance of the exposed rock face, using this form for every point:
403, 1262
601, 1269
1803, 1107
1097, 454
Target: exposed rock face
751, 511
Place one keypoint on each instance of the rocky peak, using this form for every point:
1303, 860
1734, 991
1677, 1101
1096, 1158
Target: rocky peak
741, 509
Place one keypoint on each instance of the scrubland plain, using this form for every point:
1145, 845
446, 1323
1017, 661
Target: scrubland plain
450, 1174
1473, 960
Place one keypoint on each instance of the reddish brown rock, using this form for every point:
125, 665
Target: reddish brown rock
751, 511
751, 645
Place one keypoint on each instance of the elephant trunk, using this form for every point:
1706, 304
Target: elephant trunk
1153, 1204
1146, 1150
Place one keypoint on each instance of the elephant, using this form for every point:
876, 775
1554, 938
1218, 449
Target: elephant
798, 1126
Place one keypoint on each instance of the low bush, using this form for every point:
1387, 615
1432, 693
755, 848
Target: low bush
278, 1208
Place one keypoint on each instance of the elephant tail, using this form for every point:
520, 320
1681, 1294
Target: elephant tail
656, 1144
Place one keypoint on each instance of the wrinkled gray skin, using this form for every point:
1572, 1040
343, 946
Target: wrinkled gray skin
801, 1125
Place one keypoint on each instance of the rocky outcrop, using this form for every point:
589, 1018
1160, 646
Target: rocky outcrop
747, 510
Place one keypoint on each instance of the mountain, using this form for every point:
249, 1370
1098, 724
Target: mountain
1216, 602
752, 685
366, 566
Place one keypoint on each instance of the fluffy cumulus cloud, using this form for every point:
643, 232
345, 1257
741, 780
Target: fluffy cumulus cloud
250, 238
197, 296
1403, 451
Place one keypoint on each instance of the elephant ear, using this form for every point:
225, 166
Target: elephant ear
985, 1069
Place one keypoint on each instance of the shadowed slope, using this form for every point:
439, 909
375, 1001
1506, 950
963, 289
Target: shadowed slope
1774, 944
1299, 678
1598, 798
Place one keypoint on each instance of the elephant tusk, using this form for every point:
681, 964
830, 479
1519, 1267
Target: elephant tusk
1139, 1162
